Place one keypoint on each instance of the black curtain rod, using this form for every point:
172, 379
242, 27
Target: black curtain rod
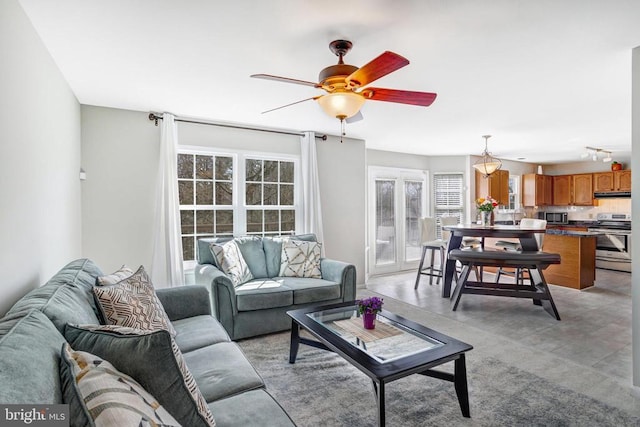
155, 117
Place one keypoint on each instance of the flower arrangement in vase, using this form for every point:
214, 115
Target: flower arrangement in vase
486, 205
368, 308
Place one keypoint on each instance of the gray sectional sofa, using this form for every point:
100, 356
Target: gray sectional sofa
259, 306
31, 338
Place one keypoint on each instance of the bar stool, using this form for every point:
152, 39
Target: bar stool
430, 242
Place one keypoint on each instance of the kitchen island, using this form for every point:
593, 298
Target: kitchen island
577, 250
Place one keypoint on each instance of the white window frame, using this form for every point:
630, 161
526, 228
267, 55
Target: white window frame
436, 207
239, 205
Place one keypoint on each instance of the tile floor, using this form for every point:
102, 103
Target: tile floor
595, 330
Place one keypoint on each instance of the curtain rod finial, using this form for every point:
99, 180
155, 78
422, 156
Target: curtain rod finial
154, 117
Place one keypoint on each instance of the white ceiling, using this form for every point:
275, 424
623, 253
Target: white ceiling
546, 77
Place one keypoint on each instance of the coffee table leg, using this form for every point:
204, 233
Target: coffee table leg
295, 341
378, 389
460, 384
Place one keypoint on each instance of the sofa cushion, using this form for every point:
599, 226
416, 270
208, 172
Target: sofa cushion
246, 408
29, 376
263, 293
153, 359
253, 253
113, 278
232, 262
100, 395
273, 251
198, 331
133, 302
300, 259
222, 370
66, 297
307, 290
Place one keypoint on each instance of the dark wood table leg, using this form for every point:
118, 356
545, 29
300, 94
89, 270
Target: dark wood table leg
295, 341
450, 266
460, 384
379, 391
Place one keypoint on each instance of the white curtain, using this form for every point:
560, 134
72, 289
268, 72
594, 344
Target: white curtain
311, 207
166, 265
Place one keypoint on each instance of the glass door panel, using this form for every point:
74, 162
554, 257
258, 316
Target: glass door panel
385, 221
412, 214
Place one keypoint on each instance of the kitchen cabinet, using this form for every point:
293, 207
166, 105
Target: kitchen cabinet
612, 181
582, 189
562, 190
622, 180
496, 186
537, 190
577, 268
573, 190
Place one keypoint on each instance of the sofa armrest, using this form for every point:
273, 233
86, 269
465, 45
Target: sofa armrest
340, 272
223, 293
185, 301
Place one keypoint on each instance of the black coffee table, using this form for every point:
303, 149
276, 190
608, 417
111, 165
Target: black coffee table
396, 348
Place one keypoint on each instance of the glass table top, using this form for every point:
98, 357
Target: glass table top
389, 340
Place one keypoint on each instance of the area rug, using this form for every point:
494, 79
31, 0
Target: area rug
322, 389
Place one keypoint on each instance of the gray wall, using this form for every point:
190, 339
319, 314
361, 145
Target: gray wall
39, 161
635, 212
120, 156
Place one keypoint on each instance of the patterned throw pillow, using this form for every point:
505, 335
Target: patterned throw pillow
152, 358
115, 277
228, 256
133, 302
300, 259
100, 395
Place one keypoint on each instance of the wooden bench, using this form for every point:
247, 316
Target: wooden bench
536, 261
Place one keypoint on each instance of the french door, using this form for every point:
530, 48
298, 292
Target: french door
397, 201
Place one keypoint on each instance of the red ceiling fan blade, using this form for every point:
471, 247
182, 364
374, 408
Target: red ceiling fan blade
400, 96
285, 80
384, 64
293, 103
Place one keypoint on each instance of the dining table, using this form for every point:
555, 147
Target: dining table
457, 232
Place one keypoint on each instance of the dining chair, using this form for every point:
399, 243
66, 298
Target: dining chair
430, 242
518, 274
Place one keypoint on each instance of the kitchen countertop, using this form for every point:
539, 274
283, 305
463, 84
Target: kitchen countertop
574, 233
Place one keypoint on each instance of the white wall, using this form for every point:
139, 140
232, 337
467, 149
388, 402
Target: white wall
120, 157
635, 212
120, 151
39, 161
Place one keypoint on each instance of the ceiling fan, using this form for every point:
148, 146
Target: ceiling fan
346, 85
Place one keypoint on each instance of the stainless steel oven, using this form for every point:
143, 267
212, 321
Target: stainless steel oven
613, 246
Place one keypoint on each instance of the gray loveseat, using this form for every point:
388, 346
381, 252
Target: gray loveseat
31, 338
259, 306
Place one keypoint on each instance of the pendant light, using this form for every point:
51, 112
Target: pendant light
487, 164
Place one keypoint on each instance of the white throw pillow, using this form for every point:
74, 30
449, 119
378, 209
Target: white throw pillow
300, 259
229, 257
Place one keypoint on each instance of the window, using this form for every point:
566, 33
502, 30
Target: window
514, 192
448, 196
234, 194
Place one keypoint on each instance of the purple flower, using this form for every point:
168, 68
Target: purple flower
369, 305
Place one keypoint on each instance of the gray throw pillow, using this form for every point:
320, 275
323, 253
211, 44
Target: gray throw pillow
154, 360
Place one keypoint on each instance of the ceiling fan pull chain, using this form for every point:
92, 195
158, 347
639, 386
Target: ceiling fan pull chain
342, 130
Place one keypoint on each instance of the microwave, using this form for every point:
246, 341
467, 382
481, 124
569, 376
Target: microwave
556, 217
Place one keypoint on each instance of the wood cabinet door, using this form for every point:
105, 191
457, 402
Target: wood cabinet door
582, 187
562, 190
504, 187
495, 186
603, 181
548, 190
622, 180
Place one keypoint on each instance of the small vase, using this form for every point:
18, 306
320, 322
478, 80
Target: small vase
369, 320
487, 218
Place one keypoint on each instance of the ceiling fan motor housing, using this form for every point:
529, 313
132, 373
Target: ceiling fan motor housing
334, 76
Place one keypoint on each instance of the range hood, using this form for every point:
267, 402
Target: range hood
612, 194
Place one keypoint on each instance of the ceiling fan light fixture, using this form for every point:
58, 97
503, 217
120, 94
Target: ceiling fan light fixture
341, 105
487, 164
